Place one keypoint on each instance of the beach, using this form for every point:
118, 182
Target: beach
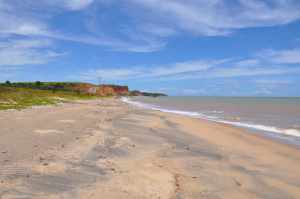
109, 149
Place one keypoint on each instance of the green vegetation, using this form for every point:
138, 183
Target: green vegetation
147, 94
18, 95
56, 86
23, 95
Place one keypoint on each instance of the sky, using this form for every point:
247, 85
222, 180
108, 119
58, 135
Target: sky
179, 47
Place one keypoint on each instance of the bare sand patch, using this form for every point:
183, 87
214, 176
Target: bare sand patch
67, 121
48, 131
49, 168
145, 181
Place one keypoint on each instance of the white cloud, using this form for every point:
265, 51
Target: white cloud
71, 5
173, 70
182, 68
290, 56
157, 30
22, 52
12, 24
21, 20
232, 70
110, 74
269, 86
219, 17
248, 62
202, 69
23, 38
150, 21
77, 4
273, 81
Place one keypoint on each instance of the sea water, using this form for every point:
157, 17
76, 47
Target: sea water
277, 118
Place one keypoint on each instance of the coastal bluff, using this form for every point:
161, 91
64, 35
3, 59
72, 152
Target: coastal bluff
102, 90
112, 90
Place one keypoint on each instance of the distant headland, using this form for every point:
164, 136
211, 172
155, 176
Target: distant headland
19, 95
82, 88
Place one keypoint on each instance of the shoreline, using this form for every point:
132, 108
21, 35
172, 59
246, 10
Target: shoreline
114, 150
246, 132
285, 136
267, 136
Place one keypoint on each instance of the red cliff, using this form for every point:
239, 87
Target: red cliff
102, 90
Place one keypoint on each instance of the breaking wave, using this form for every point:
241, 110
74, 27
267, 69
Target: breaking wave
272, 129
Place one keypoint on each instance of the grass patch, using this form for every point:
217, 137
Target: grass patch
20, 98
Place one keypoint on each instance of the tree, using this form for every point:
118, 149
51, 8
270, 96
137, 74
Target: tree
38, 83
8, 83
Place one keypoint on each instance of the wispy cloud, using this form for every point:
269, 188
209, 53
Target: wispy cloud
147, 72
273, 81
70, 5
270, 85
24, 21
201, 69
77, 4
290, 56
22, 52
149, 22
219, 17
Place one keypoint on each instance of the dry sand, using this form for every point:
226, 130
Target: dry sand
107, 149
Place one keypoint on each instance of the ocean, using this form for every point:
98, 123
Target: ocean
277, 118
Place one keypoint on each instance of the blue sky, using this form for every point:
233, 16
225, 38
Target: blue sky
180, 47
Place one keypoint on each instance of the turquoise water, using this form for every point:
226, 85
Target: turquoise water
275, 117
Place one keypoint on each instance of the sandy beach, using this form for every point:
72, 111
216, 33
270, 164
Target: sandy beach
108, 149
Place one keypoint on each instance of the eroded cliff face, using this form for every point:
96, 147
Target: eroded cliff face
102, 90
121, 90
112, 90
83, 88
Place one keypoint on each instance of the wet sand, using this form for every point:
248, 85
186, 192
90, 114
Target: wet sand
107, 149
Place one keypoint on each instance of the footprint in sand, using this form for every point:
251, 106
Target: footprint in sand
48, 131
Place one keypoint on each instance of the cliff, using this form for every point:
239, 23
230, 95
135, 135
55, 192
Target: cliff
102, 90
82, 88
